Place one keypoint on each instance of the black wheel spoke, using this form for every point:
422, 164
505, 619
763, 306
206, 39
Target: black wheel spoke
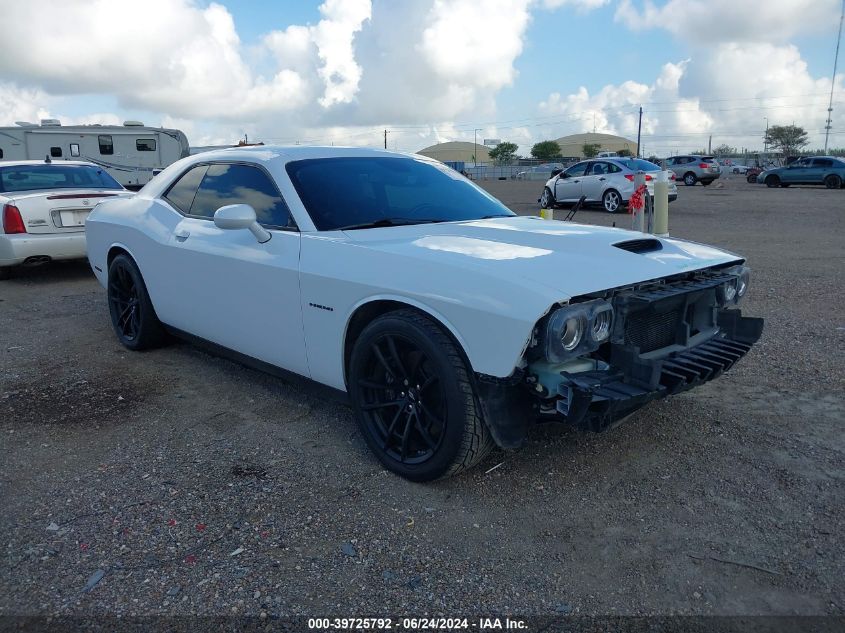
371, 384
427, 383
405, 435
383, 361
389, 433
424, 434
432, 419
371, 406
394, 354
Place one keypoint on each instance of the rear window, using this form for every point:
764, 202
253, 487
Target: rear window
708, 159
36, 177
638, 164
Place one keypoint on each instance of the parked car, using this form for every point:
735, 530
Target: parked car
693, 169
450, 322
739, 169
752, 172
44, 206
814, 170
609, 182
540, 172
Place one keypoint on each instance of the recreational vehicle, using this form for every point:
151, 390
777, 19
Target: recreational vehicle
129, 153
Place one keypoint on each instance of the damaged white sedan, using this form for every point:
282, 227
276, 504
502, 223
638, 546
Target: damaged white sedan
451, 323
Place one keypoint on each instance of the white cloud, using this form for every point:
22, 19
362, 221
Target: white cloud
712, 21
581, 6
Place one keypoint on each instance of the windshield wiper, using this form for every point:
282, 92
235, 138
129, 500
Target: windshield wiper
387, 222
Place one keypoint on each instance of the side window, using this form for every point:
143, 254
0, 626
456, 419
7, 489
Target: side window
241, 184
822, 162
577, 170
182, 192
613, 168
74, 149
598, 169
145, 144
106, 144
56, 152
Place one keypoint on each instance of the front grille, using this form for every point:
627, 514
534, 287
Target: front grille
650, 331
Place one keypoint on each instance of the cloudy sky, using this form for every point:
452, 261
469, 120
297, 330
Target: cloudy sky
342, 71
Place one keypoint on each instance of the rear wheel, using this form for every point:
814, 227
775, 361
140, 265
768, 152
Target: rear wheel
690, 179
414, 400
547, 200
833, 182
611, 201
751, 178
132, 314
772, 181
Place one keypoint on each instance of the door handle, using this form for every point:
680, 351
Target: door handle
576, 181
182, 235
602, 178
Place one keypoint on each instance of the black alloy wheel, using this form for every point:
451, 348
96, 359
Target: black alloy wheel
413, 398
133, 318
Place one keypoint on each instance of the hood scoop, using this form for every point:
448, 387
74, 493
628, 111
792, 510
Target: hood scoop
646, 245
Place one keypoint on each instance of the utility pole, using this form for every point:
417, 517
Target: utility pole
475, 151
833, 81
385, 139
766, 138
639, 130
710, 145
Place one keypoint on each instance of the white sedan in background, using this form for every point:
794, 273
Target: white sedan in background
44, 206
451, 323
608, 182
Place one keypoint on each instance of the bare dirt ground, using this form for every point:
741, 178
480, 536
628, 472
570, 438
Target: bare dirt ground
198, 486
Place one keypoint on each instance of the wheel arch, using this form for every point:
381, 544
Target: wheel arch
115, 250
371, 308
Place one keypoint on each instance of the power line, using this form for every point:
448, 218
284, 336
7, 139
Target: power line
833, 78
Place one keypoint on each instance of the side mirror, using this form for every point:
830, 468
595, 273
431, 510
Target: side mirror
240, 216
555, 172
563, 174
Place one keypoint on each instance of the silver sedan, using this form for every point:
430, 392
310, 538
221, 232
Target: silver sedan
609, 182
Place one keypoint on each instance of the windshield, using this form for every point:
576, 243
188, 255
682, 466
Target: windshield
637, 164
347, 192
35, 177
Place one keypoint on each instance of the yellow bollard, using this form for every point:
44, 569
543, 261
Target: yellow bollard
547, 214
661, 204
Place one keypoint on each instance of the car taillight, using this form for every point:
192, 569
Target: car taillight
672, 175
631, 177
12, 220
704, 165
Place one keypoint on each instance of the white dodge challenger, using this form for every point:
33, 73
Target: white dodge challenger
451, 323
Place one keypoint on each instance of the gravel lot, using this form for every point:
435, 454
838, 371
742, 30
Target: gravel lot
200, 487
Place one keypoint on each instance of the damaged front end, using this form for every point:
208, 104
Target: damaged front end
602, 357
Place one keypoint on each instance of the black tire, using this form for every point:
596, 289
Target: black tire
772, 181
5, 272
132, 314
751, 179
690, 179
414, 399
547, 199
833, 181
611, 201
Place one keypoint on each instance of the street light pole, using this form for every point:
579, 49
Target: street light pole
475, 151
766, 137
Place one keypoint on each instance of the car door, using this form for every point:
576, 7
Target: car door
819, 170
233, 290
568, 184
796, 172
594, 181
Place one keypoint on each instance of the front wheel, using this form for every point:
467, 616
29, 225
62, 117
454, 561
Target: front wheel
132, 314
546, 199
772, 181
414, 400
833, 182
611, 201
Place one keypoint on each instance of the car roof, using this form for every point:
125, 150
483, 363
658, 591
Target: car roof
268, 153
21, 163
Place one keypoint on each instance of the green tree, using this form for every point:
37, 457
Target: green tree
591, 150
504, 152
724, 150
788, 139
545, 150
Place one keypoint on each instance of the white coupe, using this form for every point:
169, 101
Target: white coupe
451, 323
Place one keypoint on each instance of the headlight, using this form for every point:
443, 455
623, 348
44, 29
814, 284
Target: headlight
577, 329
730, 292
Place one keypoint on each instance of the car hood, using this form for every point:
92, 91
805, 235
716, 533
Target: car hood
567, 258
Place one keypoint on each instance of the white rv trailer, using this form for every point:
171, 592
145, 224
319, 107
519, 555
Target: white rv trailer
129, 153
